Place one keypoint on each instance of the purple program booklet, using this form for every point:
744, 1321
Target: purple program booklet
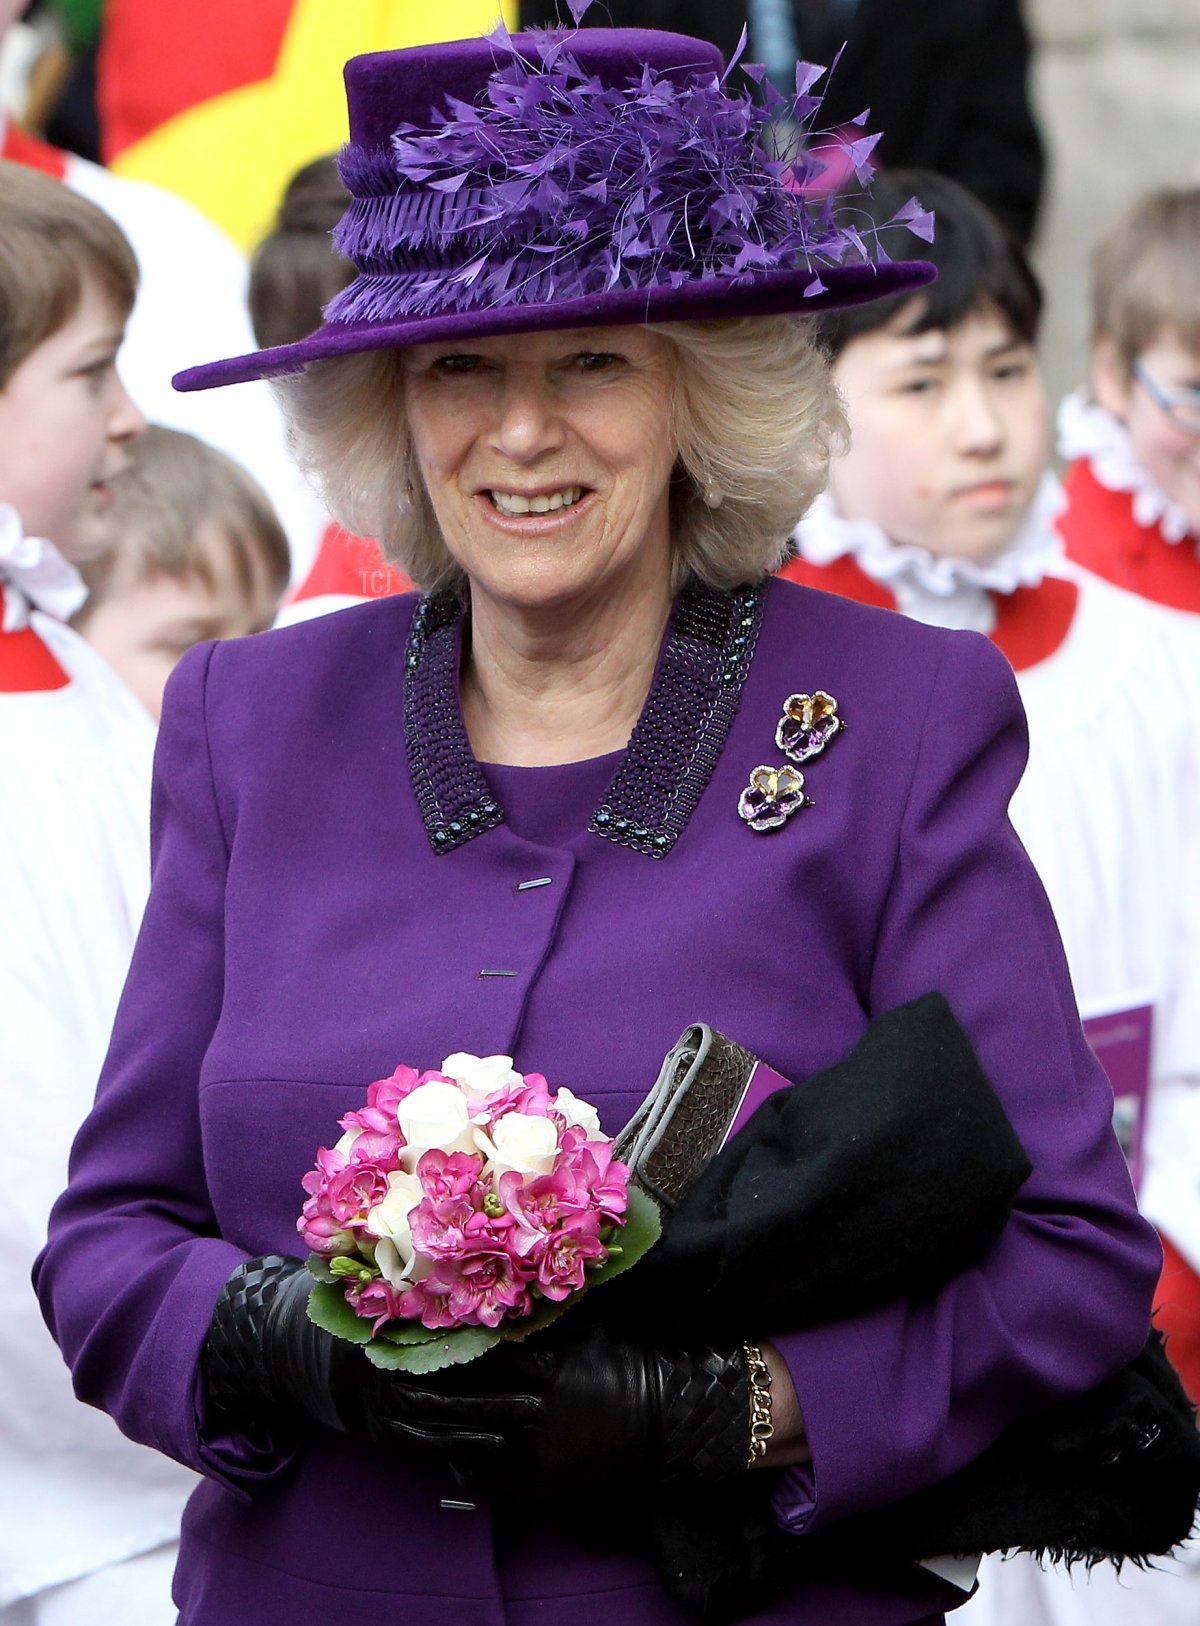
1121, 1035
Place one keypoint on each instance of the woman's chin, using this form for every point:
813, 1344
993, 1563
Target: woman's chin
536, 589
540, 578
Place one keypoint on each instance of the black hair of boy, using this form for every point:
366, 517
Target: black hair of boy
979, 262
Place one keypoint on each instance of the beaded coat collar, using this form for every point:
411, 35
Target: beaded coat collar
693, 699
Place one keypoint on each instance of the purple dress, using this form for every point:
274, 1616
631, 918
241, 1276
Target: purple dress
339, 887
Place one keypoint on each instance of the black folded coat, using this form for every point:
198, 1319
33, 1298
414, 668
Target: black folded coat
903, 1140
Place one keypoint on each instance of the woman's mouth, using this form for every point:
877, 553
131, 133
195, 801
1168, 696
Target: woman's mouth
514, 504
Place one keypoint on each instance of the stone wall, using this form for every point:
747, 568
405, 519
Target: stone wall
1117, 89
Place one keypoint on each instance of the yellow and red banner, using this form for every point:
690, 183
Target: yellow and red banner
223, 102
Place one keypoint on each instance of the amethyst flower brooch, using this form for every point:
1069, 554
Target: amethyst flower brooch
808, 724
772, 796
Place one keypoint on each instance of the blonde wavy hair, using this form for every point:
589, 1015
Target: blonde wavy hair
755, 418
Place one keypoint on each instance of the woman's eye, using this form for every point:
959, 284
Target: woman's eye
457, 363
595, 361
1010, 370
918, 386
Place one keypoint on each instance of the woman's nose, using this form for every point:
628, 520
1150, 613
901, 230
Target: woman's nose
529, 419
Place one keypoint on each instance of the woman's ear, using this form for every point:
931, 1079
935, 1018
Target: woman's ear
1111, 382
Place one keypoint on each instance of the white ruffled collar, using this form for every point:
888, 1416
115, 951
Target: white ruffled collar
1086, 430
941, 591
36, 575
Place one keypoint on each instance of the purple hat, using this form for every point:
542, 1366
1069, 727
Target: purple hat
576, 178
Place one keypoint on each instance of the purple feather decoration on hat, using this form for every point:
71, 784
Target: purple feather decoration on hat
556, 185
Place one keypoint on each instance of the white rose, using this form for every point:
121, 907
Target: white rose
528, 1145
481, 1075
389, 1222
579, 1114
346, 1145
434, 1116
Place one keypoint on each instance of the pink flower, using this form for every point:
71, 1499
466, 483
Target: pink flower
484, 1287
353, 1190
367, 1141
534, 1100
606, 1180
443, 1229
386, 1094
451, 1216
428, 1302
567, 1253
556, 1228
538, 1207
323, 1228
449, 1174
323, 1233
373, 1131
377, 1300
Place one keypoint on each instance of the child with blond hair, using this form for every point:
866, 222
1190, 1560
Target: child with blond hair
197, 553
88, 1521
1133, 440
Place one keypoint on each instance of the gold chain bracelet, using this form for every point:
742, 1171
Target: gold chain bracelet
761, 1427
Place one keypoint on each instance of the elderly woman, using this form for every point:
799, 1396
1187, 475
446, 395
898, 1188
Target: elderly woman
541, 810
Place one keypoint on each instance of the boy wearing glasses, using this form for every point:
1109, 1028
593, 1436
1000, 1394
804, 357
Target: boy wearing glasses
1133, 443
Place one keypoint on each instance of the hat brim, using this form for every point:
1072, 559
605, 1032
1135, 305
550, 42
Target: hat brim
771, 293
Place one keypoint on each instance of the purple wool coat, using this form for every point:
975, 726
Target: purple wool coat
331, 891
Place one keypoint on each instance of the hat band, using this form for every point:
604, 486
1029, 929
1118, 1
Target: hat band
422, 252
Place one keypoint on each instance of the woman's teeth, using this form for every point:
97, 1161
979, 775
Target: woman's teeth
509, 503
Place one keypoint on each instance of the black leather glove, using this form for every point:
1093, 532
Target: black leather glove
265, 1363
622, 1413
615, 1411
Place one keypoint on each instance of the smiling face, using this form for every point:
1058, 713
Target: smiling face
546, 458
948, 433
1168, 453
65, 421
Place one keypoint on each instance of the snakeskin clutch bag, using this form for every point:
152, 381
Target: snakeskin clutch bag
700, 1096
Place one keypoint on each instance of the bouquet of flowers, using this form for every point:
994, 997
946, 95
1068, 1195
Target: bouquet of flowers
461, 1207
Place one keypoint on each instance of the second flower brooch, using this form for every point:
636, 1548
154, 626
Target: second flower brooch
808, 724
